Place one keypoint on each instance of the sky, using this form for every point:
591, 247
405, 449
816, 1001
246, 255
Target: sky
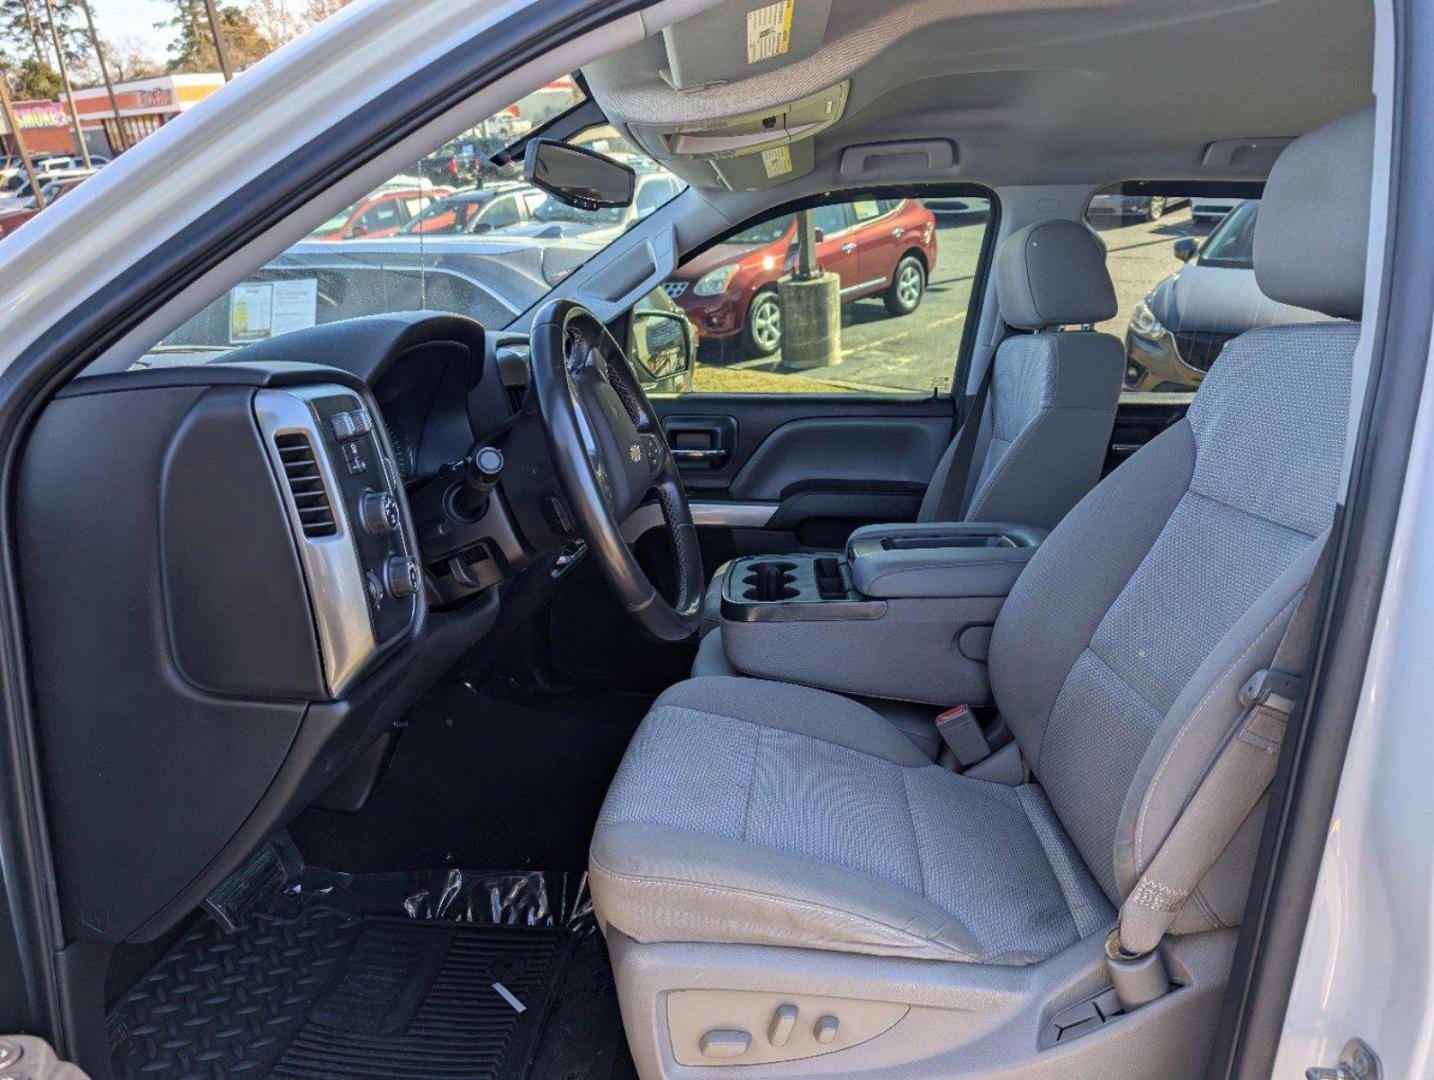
117, 19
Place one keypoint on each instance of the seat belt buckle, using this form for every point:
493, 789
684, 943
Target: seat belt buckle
1272, 689
961, 732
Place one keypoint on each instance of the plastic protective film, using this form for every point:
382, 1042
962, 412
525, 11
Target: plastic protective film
553, 900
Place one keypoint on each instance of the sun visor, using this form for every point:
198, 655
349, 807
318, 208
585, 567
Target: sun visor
735, 41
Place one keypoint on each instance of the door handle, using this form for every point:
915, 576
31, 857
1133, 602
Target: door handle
848, 247
712, 459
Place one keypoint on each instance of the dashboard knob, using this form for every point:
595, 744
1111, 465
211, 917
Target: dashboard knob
378, 510
400, 577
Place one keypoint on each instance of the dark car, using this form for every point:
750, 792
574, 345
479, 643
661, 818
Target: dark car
1178, 330
876, 246
1140, 207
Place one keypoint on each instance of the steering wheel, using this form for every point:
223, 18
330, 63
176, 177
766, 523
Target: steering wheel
609, 451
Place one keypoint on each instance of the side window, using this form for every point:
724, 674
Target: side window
847, 330
1184, 275
833, 218
653, 193
498, 213
386, 215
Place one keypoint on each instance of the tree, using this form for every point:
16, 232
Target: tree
193, 46
31, 79
25, 41
129, 57
275, 20
319, 10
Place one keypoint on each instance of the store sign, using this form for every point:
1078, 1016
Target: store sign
29, 117
159, 98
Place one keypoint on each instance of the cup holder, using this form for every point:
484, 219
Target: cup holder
770, 582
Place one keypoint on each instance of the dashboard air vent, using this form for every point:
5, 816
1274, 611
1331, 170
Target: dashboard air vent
306, 484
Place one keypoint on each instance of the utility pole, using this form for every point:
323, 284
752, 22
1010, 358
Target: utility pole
69, 90
105, 74
14, 125
219, 47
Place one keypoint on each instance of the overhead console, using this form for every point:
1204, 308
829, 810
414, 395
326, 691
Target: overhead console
753, 150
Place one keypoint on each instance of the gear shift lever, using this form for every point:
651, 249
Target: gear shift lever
479, 473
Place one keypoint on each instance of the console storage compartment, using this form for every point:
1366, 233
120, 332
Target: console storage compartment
904, 613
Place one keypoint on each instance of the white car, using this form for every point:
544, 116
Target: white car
1211, 210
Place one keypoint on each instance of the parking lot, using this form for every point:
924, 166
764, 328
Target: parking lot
917, 352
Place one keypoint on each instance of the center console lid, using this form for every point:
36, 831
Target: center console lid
904, 613
940, 560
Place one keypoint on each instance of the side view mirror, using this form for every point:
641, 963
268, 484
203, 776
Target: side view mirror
581, 178
819, 235
1186, 248
664, 349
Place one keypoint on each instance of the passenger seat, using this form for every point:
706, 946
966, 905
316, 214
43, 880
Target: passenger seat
1049, 410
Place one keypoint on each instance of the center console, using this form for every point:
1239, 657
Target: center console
905, 612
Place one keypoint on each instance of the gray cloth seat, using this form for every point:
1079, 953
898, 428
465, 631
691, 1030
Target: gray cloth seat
807, 819
751, 812
1046, 425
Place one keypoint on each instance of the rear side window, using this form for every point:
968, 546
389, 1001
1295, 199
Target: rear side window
1183, 268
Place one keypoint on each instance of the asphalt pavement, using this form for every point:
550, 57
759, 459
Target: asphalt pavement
917, 352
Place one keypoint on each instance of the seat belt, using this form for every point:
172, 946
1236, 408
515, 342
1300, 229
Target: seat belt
1226, 796
963, 451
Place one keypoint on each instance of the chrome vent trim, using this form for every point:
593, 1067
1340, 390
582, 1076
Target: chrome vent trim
306, 484
338, 589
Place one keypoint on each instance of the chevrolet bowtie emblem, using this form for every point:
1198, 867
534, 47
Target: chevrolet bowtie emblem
636, 454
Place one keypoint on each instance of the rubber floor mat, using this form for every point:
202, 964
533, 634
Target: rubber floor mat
328, 993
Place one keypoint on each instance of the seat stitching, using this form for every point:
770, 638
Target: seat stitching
1186, 725
1193, 490
1091, 648
783, 901
801, 734
751, 780
1046, 727
915, 836
1023, 799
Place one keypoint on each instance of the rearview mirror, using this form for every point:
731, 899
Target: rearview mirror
581, 178
1186, 247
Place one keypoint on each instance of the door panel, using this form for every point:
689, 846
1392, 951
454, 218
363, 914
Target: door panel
770, 473
1138, 419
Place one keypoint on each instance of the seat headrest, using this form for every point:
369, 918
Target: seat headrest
1053, 273
1313, 228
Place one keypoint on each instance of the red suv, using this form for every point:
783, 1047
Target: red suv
876, 246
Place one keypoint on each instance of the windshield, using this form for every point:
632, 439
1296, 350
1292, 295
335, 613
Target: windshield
1232, 244
550, 209
454, 233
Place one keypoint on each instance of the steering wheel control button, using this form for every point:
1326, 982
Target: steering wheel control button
784, 1022
400, 577
378, 510
826, 1029
725, 1043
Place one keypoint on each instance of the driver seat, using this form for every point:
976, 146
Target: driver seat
782, 875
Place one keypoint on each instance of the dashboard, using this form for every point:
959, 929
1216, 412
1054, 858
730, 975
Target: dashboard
289, 546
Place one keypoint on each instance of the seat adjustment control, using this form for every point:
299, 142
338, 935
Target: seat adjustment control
378, 510
725, 1043
784, 1020
826, 1029
400, 577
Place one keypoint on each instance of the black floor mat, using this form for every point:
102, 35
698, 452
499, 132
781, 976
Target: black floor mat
328, 993
485, 779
